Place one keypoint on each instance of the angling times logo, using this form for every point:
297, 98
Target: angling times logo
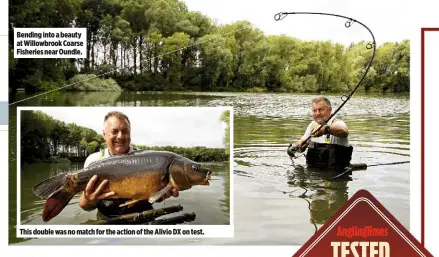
362, 228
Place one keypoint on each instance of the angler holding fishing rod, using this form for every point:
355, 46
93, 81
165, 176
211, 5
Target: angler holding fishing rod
327, 142
326, 138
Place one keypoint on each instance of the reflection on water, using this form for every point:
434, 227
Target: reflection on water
31, 205
115, 99
272, 106
277, 201
323, 194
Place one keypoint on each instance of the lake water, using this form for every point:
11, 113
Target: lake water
276, 201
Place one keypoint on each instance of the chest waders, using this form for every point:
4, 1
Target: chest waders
327, 155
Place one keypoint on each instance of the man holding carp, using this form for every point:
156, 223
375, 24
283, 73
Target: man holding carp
117, 135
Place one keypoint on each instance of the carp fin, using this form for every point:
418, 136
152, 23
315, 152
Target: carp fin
153, 198
55, 204
56, 194
50, 186
136, 152
129, 203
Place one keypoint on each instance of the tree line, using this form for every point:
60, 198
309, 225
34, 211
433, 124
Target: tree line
158, 45
45, 139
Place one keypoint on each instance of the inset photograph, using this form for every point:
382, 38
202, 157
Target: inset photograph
129, 166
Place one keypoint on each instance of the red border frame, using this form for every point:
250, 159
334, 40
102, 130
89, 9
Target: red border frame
423, 30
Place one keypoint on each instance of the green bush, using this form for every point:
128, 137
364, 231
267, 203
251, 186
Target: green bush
90, 82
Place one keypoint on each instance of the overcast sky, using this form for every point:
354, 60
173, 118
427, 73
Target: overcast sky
389, 20
154, 126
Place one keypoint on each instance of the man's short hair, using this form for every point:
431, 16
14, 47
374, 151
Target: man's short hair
118, 115
322, 98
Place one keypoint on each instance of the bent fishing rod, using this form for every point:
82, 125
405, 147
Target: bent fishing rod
344, 98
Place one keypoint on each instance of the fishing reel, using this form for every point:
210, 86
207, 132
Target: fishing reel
292, 149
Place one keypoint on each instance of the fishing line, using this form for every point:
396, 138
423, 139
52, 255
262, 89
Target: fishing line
350, 169
123, 68
258, 180
390, 163
370, 45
